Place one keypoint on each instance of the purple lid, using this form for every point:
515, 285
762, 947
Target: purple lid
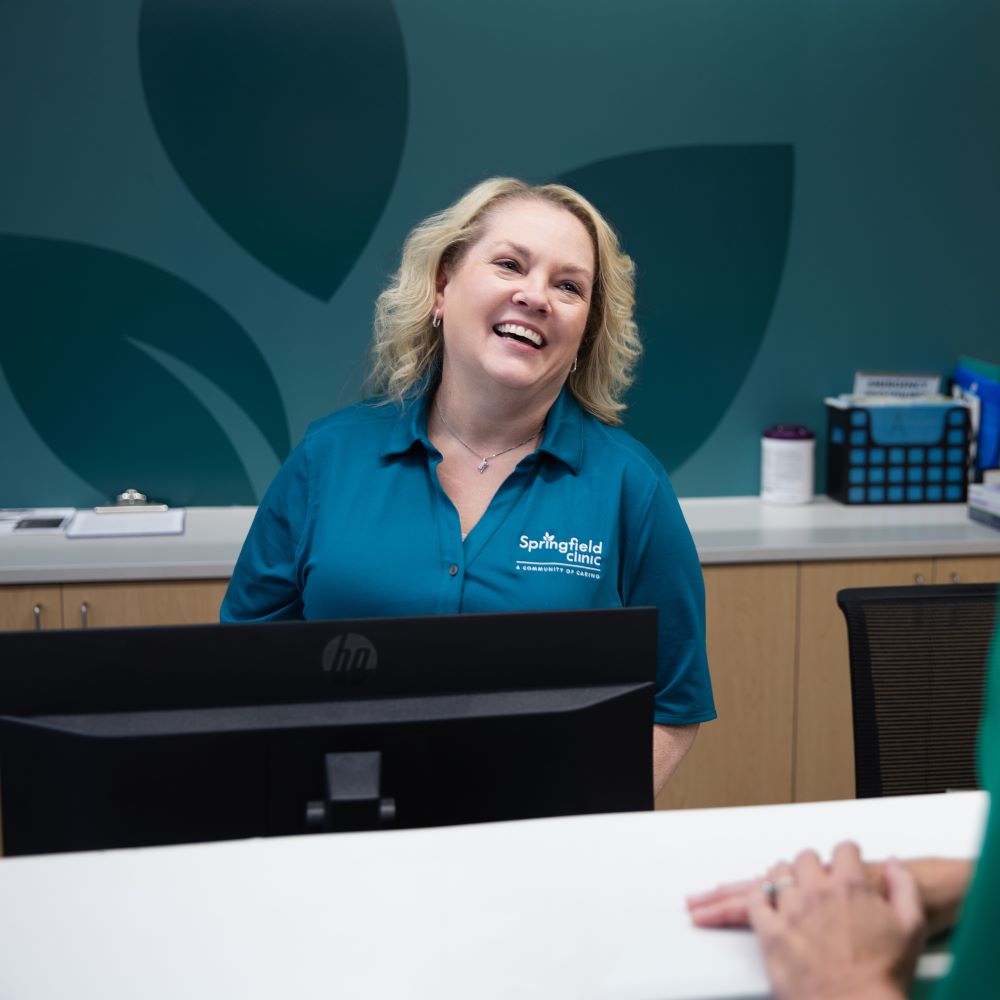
789, 432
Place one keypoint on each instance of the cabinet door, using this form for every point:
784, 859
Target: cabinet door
24, 608
108, 605
967, 569
824, 744
744, 757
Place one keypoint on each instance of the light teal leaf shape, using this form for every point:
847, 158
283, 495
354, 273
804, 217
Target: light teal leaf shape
286, 120
74, 318
708, 228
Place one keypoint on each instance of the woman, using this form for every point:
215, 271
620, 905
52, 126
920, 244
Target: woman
489, 473
853, 931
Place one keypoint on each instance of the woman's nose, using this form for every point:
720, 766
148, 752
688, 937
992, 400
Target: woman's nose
532, 294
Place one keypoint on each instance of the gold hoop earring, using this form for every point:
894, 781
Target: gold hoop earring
435, 319
573, 367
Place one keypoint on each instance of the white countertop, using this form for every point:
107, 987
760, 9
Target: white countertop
587, 907
743, 529
208, 549
725, 529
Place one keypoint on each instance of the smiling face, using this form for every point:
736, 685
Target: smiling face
514, 307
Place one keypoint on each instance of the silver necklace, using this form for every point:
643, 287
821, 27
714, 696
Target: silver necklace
484, 460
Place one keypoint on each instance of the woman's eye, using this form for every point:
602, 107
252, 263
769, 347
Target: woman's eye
570, 286
508, 265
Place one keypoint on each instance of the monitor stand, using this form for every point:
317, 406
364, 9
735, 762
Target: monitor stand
353, 790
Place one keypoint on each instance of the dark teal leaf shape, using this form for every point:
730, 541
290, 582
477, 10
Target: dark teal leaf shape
285, 119
72, 316
708, 229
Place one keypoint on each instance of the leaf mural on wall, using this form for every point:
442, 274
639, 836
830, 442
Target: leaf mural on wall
708, 228
285, 119
72, 317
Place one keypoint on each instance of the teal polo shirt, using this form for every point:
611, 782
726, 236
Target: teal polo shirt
356, 525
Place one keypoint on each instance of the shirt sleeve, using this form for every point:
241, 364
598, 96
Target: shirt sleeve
973, 943
267, 580
662, 571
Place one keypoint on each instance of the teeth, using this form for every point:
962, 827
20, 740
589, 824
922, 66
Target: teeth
519, 331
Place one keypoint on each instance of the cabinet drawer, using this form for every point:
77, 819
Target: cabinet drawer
110, 605
24, 608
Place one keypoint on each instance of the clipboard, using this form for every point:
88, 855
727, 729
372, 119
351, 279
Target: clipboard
131, 515
95, 524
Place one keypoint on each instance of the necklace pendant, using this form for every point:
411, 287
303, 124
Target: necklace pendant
483, 466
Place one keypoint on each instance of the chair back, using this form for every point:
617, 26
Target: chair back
918, 667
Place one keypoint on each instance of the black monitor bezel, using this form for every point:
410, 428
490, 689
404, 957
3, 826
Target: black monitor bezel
110, 695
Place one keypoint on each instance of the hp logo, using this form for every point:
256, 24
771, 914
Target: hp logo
350, 658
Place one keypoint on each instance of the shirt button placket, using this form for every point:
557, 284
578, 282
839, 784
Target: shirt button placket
453, 589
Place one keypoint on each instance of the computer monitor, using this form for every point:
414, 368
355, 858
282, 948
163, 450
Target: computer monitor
133, 737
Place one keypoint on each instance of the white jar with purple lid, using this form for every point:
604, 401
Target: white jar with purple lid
787, 460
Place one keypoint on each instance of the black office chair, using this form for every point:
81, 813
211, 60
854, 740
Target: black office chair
918, 666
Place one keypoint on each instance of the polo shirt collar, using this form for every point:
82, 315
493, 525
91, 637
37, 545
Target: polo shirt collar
564, 431
563, 438
409, 428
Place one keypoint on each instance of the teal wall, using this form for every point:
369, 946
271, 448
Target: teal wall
200, 200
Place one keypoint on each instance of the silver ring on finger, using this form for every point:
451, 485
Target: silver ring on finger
773, 888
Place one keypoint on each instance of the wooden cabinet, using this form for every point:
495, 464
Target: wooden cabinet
777, 647
107, 605
745, 756
31, 607
967, 569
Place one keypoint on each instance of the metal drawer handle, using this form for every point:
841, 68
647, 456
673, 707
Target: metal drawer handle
918, 577
84, 613
37, 612
955, 578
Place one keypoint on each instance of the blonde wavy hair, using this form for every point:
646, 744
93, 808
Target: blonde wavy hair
406, 349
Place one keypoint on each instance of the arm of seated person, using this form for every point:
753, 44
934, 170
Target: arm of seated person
670, 744
941, 885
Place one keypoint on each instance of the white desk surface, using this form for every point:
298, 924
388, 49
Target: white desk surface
582, 907
725, 530
207, 550
744, 529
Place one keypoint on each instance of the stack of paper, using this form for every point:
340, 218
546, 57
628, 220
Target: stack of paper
898, 385
984, 503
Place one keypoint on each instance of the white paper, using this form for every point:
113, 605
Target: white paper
985, 496
901, 385
90, 524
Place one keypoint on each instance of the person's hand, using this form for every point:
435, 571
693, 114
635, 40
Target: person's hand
832, 935
728, 905
724, 906
941, 883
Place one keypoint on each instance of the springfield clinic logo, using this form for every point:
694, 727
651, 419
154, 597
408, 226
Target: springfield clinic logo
573, 556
